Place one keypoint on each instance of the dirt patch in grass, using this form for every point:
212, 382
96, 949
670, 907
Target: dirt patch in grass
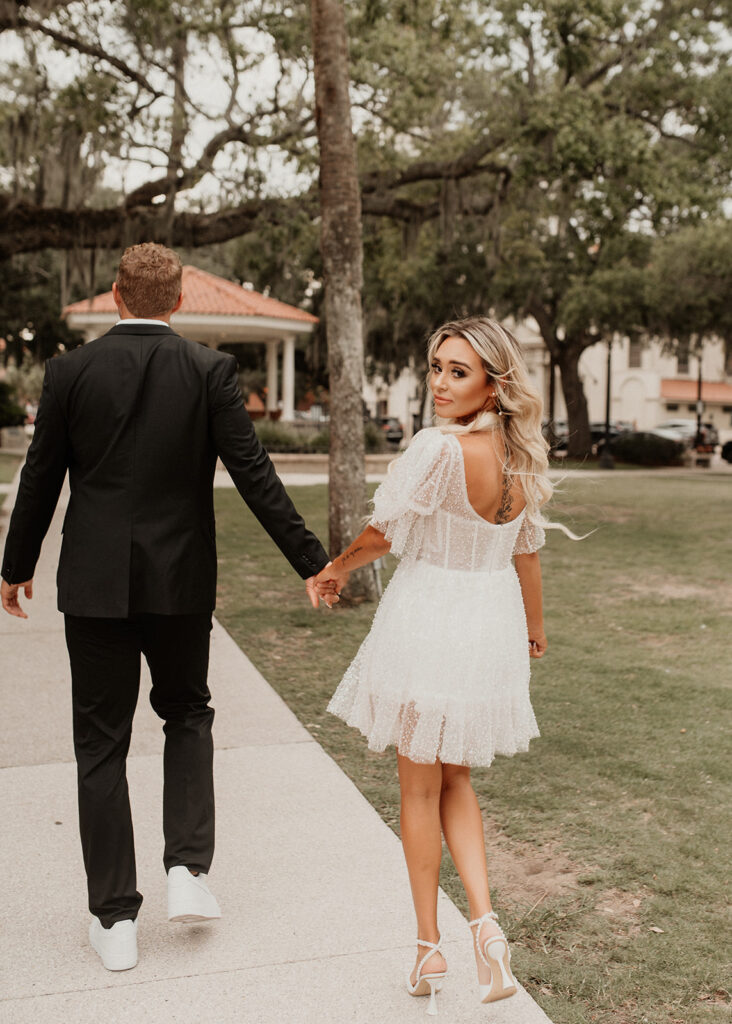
712, 1000
622, 909
670, 588
525, 873
658, 641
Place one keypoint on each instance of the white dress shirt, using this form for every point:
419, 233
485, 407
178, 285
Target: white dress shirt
141, 320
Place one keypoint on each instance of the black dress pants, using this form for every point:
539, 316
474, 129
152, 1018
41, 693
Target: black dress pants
105, 674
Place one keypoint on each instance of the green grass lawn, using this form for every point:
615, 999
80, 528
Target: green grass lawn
8, 466
609, 842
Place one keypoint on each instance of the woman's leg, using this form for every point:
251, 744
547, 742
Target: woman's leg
420, 786
462, 825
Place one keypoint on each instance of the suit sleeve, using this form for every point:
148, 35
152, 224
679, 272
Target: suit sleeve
40, 485
254, 475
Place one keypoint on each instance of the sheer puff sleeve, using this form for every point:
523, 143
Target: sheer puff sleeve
530, 537
414, 489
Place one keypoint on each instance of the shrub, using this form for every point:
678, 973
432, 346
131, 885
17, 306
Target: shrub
373, 438
27, 380
11, 414
643, 449
320, 442
277, 437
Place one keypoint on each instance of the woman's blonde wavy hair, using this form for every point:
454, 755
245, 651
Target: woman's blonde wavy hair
517, 402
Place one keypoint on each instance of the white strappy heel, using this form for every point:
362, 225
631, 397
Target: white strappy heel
494, 961
427, 984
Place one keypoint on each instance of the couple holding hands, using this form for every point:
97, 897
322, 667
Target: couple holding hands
139, 418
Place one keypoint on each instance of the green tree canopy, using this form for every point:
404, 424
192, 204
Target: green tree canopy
515, 158
689, 284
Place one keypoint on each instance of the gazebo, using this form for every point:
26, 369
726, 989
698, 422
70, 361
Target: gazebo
217, 312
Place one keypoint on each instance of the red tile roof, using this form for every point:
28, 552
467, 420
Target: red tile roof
686, 390
207, 294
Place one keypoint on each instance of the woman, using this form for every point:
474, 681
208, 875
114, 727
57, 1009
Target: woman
444, 671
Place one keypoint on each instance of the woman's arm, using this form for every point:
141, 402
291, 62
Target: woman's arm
528, 569
367, 547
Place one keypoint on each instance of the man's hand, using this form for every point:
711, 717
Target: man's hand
330, 582
316, 590
9, 593
312, 592
326, 586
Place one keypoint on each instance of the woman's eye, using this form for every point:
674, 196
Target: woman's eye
458, 373
436, 367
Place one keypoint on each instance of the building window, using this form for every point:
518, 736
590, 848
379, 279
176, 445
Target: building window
634, 354
672, 406
682, 359
691, 408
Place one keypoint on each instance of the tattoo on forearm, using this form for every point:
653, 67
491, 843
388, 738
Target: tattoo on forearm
350, 554
504, 509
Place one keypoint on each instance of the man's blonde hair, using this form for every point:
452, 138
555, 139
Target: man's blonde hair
149, 279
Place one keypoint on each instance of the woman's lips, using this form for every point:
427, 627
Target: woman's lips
441, 401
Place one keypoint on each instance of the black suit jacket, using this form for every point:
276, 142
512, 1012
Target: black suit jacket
138, 417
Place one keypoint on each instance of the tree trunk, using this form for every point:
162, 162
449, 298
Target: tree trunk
341, 246
565, 353
579, 442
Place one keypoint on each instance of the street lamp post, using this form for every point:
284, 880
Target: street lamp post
699, 403
551, 433
606, 457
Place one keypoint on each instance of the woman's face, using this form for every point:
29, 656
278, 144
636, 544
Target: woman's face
458, 380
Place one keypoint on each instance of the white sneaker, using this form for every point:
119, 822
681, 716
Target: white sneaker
189, 897
117, 946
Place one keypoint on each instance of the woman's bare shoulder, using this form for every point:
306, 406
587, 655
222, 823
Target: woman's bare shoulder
490, 491
482, 450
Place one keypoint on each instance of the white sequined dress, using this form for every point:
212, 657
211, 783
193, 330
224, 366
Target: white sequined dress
444, 671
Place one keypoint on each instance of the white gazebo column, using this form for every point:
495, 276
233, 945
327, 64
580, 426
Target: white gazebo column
272, 396
288, 379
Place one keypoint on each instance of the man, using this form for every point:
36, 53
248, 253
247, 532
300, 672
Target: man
139, 417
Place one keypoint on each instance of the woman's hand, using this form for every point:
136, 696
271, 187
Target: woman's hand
367, 547
329, 582
537, 643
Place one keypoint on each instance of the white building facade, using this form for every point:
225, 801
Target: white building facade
649, 385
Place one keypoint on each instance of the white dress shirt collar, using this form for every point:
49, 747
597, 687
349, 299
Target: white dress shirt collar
140, 320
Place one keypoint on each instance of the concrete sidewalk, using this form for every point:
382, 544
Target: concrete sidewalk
317, 922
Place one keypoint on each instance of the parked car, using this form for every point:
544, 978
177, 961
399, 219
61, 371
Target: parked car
685, 432
597, 433
391, 429
647, 449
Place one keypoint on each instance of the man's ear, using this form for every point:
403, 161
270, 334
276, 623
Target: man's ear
118, 300
178, 304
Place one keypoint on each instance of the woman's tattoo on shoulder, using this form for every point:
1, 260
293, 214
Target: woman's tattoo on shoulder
503, 514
